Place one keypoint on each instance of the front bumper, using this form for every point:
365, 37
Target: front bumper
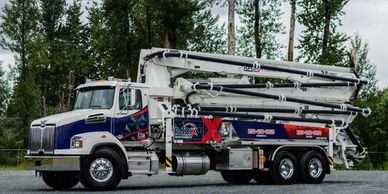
53, 163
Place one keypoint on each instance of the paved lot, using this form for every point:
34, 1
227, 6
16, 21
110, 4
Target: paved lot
338, 182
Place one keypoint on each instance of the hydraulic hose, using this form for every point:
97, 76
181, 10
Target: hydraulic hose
167, 53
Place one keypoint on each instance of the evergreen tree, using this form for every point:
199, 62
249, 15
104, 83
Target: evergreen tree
175, 17
180, 24
97, 36
112, 31
18, 32
261, 25
207, 35
53, 73
77, 61
373, 130
117, 14
4, 92
320, 42
364, 67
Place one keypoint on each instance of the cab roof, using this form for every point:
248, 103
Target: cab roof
112, 83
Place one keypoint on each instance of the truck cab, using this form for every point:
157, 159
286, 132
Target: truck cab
100, 106
103, 109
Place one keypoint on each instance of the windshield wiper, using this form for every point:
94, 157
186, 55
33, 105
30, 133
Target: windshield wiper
95, 106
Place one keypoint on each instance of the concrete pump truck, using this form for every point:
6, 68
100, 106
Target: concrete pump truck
293, 129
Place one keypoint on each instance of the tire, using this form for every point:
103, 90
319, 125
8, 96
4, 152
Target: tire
262, 177
284, 168
312, 167
237, 176
60, 180
103, 179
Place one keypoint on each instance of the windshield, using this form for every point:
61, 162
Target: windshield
97, 98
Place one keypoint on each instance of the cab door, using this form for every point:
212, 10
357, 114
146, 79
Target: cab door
131, 119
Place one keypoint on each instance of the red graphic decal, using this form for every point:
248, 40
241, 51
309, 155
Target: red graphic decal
212, 130
306, 132
145, 109
189, 130
133, 133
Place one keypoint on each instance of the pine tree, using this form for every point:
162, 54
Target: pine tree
77, 61
18, 32
151, 23
97, 36
176, 21
364, 67
207, 35
261, 25
4, 92
117, 14
112, 36
53, 73
320, 42
372, 130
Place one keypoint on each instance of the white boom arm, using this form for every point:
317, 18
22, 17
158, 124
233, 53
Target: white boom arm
159, 72
314, 93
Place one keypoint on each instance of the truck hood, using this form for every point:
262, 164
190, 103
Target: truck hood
67, 117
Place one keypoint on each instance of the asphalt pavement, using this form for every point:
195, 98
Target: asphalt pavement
337, 182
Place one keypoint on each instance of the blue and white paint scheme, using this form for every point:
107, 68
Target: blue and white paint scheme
96, 125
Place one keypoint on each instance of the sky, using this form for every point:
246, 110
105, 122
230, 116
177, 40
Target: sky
369, 18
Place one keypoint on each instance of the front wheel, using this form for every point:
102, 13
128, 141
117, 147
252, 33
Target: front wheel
102, 170
60, 180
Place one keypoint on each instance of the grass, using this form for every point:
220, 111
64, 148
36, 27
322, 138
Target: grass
7, 167
22, 165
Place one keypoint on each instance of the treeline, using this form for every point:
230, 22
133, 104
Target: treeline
58, 44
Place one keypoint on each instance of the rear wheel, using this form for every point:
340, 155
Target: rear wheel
60, 180
237, 176
312, 167
102, 170
283, 169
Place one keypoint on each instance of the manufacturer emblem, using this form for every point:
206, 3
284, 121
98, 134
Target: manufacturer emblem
43, 123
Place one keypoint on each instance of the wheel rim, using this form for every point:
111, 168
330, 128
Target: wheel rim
315, 167
101, 169
286, 168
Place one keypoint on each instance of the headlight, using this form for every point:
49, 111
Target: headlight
76, 142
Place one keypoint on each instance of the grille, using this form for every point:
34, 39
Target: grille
42, 139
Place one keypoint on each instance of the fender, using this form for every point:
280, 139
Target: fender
273, 154
89, 141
